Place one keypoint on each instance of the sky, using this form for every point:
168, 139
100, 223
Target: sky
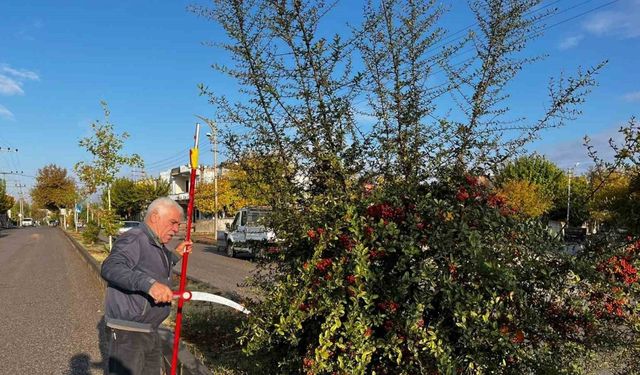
59, 59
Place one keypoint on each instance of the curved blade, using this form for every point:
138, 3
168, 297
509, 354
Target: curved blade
202, 296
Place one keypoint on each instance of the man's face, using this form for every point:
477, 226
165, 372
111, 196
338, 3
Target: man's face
164, 222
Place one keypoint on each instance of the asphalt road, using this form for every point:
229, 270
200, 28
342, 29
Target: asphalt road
51, 306
209, 265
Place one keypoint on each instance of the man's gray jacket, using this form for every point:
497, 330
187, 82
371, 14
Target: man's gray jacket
137, 260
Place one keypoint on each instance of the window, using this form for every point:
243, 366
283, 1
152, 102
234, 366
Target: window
234, 225
243, 220
255, 217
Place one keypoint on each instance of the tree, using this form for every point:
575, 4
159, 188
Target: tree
535, 169
526, 197
626, 160
240, 185
26, 208
611, 197
129, 198
54, 189
395, 257
532, 184
124, 199
105, 146
6, 201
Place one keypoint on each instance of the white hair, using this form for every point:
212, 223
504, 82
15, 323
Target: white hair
163, 202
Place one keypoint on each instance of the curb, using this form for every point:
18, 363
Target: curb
187, 363
88, 259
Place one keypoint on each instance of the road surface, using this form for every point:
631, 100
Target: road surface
51, 306
209, 265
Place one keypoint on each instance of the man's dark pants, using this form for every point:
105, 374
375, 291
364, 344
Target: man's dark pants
133, 353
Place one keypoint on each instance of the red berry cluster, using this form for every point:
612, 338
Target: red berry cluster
368, 332
495, 200
323, 264
351, 279
346, 241
453, 270
614, 306
376, 254
621, 268
518, 337
369, 231
308, 362
381, 211
389, 306
386, 212
315, 234
462, 194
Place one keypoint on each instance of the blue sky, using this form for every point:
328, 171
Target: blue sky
58, 59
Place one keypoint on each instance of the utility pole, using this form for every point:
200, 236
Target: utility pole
213, 138
20, 186
569, 192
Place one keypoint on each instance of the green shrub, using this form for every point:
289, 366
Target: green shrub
90, 233
447, 279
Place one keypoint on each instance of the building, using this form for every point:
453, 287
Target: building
179, 178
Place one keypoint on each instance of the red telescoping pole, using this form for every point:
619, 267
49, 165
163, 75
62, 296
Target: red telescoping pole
193, 157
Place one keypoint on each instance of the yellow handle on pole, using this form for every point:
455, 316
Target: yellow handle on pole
194, 158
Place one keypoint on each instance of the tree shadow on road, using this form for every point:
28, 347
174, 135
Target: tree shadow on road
81, 364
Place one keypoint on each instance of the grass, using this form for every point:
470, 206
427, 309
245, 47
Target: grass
97, 250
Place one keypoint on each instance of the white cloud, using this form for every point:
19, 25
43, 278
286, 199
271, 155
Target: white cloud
570, 42
621, 22
4, 112
11, 81
9, 86
632, 96
22, 74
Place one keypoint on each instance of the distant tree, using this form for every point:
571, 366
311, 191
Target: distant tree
105, 146
150, 189
54, 189
528, 198
6, 201
129, 198
124, 199
38, 213
611, 197
579, 205
26, 208
625, 211
238, 186
535, 169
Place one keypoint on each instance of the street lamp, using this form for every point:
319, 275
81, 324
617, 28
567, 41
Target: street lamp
569, 192
213, 138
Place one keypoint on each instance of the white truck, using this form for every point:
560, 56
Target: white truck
247, 227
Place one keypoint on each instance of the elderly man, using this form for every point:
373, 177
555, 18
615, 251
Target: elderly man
138, 298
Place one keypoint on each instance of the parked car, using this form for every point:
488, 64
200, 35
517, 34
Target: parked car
27, 222
126, 225
248, 225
